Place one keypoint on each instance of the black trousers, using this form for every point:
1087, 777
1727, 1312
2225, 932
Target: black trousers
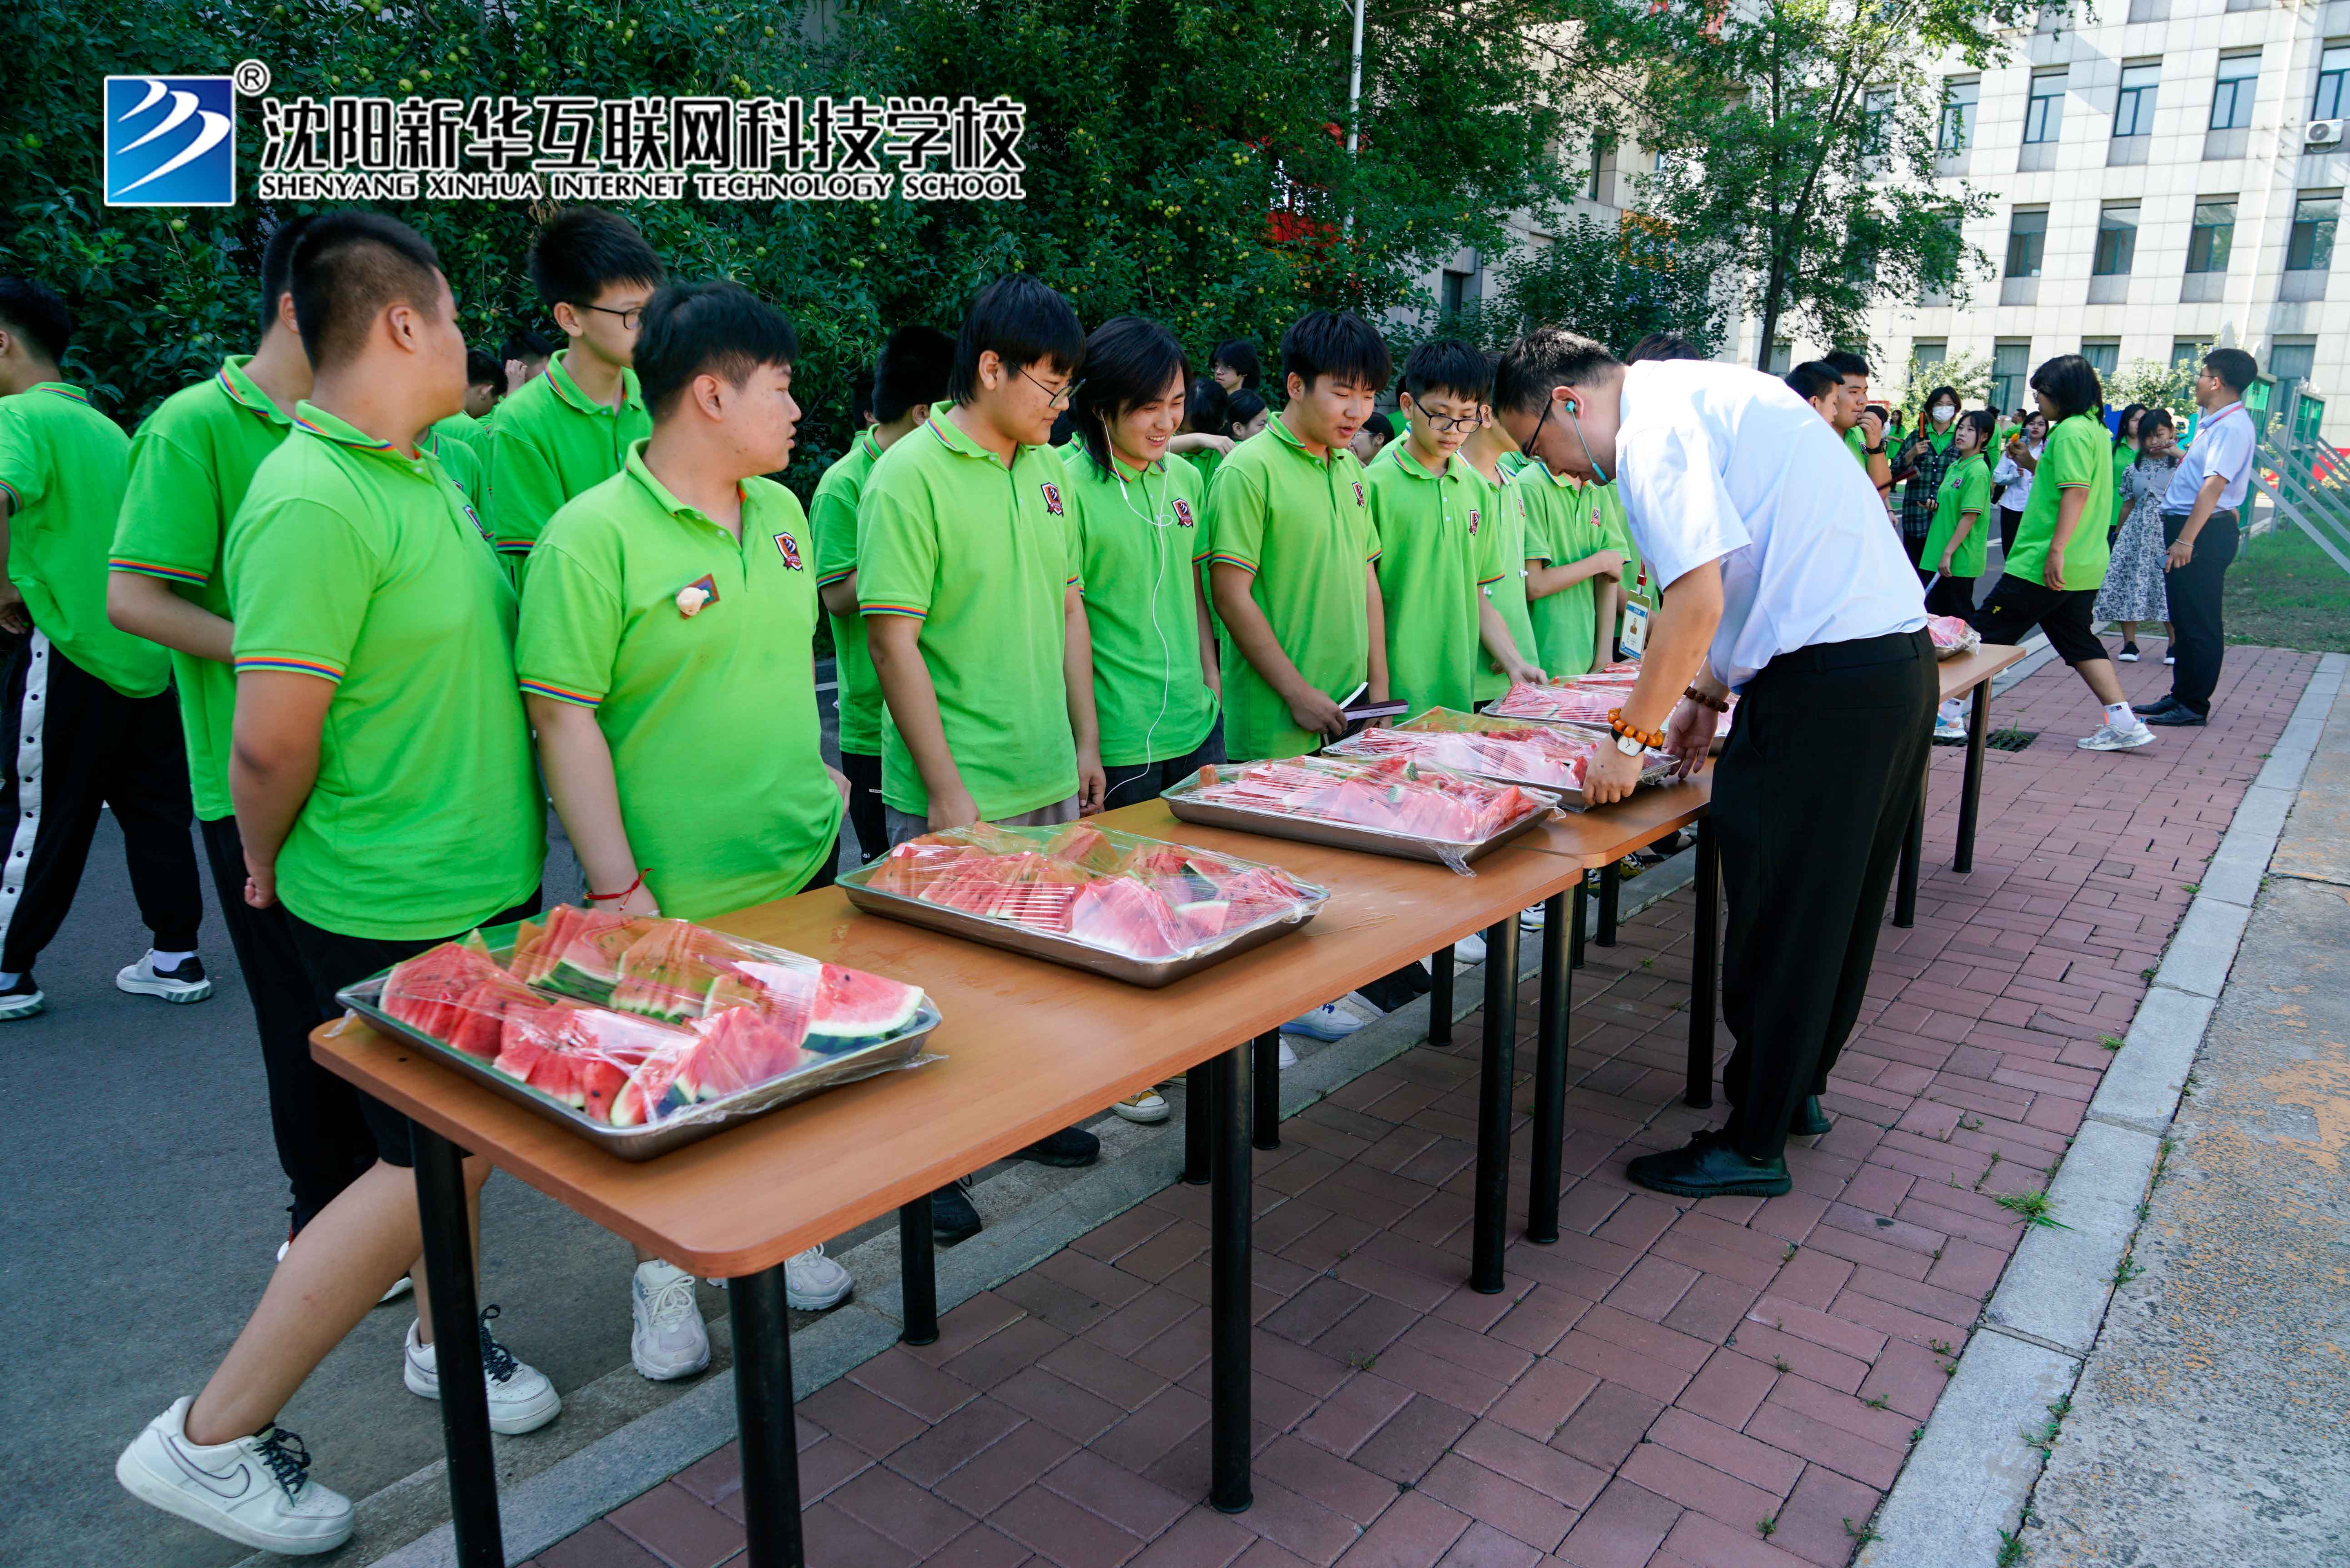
1951, 596
76, 744
1141, 781
323, 1142
2196, 637
866, 812
1811, 801
2011, 519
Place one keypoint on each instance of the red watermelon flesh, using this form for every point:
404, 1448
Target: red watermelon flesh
738, 1049
648, 1096
524, 1035
424, 992
1126, 916
482, 1011
784, 994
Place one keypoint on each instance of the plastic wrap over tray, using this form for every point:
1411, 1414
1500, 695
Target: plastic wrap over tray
1387, 806
1551, 757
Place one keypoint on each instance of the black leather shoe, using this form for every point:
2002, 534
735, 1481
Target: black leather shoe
1070, 1147
2181, 717
1810, 1120
952, 1218
1709, 1171
2164, 706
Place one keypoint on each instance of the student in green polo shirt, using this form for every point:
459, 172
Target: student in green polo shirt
571, 429
2050, 580
911, 377
382, 779
1294, 565
969, 575
666, 657
1863, 427
84, 716
1569, 561
1956, 545
1433, 519
1490, 452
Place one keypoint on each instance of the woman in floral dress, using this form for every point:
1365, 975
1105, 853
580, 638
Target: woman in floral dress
2133, 590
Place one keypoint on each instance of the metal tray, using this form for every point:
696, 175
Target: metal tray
658, 1137
1344, 835
1151, 973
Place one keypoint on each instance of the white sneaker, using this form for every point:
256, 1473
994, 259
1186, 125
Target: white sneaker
813, 1283
1325, 1022
1949, 729
21, 998
2171, 658
400, 1287
2109, 739
184, 983
1468, 950
521, 1398
256, 1491
1147, 1107
1288, 1058
1530, 919
667, 1340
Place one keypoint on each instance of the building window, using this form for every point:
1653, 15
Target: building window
2045, 114
1603, 159
2232, 95
2104, 354
2027, 241
1783, 357
1929, 351
2214, 231
2009, 361
2309, 247
2134, 111
1453, 294
2117, 241
2290, 364
1959, 100
2189, 352
2333, 75
1877, 121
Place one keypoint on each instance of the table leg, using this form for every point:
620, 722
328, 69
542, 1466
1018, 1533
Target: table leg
918, 1272
1550, 1075
1971, 788
1440, 997
1579, 902
1265, 1074
1611, 891
1199, 1122
1705, 957
1496, 1075
1229, 1287
457, 1349
1913, 849
757, 1306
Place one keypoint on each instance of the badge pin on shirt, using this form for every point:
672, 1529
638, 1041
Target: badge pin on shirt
694, 595
790, 548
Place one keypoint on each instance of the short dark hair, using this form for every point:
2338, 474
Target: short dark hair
1845, 362
347, 269
1021, 320
1663, 346
721, 328
1129, 362
1448, 365
861, 396
1334, 343
2237, 369
2071, 383
1240, 406
1815, 379
30, 309
1239, 354
1379, 425
277, 264
1206, 409
484, 369
2150, 418
528, 345
1926, 409
1543, 360
914, 368
582, 250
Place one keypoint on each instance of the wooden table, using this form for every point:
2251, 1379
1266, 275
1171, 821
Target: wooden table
1031, 1047
1968, 673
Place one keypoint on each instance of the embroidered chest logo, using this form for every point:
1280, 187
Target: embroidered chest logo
1359, 501
790, 549
1052, 497
479, 527
1473, 521
1182, 513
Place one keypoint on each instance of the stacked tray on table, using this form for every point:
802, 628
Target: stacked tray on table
1388, 805
1509, 751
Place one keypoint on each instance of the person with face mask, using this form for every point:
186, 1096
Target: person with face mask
1925, 456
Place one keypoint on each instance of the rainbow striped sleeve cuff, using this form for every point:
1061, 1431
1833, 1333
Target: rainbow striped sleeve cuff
1219, 558
1489, 582
316, 667
827, 579
1373, 556
915, 612
157, 569
560, 693
16, 500
514, 546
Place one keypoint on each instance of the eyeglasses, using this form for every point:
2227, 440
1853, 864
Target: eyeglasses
1526, 447
1450, 423
1061, 398
629, 318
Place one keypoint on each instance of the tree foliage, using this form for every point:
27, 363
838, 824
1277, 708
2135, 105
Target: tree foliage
1617, 282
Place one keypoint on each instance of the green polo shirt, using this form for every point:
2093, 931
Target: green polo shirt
1858, 444
190, 465
462, 463
463, 426
1436, 557
1965, 487
1566, 521
551, 442
982, 556
716, 748
63, 465
856, 691
2123, 457
356, 565
2078, 455
1508, 462
1301, 526
1139, 544
1506, 518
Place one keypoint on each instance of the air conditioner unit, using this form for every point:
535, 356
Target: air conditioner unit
2323, 133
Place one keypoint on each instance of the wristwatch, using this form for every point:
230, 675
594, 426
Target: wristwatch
1628, 746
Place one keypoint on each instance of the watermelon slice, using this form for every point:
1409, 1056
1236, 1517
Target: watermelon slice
1126, 916
424, 992
854, 1008
648, 1094
482, 1011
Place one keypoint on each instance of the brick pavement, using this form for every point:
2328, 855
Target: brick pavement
1731, 1385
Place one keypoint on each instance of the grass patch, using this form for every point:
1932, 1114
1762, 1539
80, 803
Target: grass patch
2284, 592
2037, 1209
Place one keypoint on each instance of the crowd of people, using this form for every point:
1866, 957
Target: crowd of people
366, 601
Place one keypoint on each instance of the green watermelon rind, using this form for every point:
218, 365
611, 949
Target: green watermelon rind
835, 1035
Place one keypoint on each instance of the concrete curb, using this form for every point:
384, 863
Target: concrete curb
1969, 1478
558, 1501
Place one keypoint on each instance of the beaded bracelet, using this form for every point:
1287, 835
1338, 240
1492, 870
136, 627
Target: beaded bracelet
1719, 705
1617, 722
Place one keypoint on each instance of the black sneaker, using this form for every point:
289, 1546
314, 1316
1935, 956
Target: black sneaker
2166, 702
952, 1217
23, 999
2178, 717
1709, 1169
185, 981
2128, 655
1069, 1148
